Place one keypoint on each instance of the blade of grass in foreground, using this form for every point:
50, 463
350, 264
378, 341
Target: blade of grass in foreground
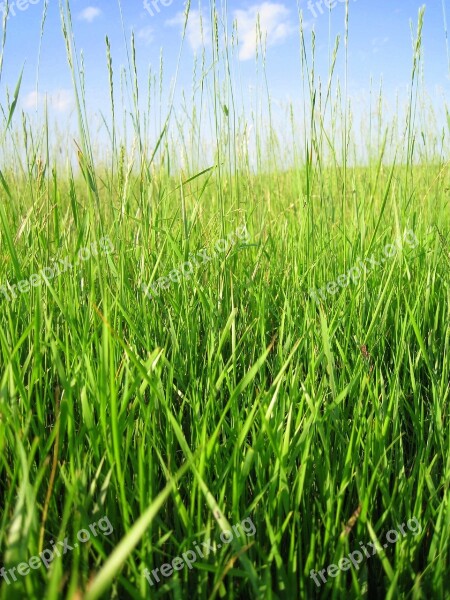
130, 541
213, 504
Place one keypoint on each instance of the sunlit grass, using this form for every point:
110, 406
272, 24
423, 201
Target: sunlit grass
232, 390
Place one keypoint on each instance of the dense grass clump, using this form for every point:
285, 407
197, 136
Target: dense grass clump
293, 387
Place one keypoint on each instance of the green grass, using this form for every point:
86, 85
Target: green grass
232, 391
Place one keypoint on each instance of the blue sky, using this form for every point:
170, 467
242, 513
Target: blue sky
379, 45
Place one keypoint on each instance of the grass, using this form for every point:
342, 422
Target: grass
231, 395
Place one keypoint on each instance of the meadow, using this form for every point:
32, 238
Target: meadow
230, 420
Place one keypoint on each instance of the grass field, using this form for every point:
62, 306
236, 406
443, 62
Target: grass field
232, 416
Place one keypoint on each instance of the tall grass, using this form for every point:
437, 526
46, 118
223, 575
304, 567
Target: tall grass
232, 394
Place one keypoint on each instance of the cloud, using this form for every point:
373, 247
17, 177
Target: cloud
198, 29
274, 26
89, 14
60, 100
146, 35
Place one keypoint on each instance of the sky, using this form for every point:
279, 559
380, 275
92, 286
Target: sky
380, 45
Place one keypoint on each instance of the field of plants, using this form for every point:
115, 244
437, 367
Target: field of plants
224, 335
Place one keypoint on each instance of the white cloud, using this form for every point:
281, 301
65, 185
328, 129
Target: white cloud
60, 100
30, 100
89, 14
198, 29
146, 35
274, 25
